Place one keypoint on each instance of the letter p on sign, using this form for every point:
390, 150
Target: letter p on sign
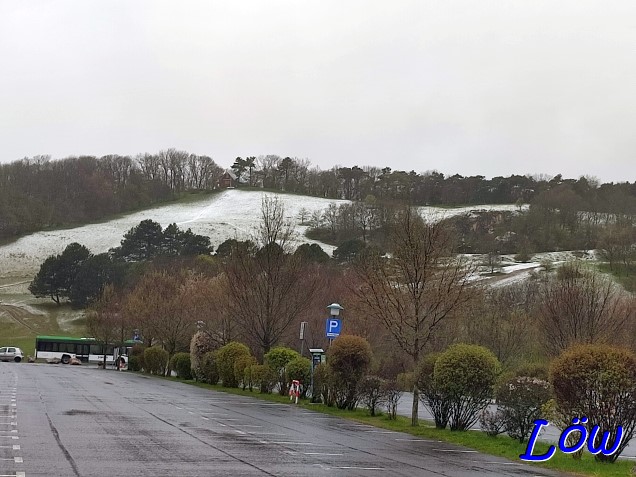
333, 327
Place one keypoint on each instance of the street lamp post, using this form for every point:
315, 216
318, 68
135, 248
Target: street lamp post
334, 312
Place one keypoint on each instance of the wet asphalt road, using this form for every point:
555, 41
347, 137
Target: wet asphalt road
75, 421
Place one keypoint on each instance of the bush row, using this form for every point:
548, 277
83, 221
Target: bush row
458, 386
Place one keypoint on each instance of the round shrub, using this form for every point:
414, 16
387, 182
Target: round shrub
209, 369
320, 391
155, 360
520, 401
349, 359
264, 377
372, 393
241, 363
465, 375
226, 356
134, 363
248, 377
137, 351
598, 382
180, 363
434, 400
277, 359
200, 344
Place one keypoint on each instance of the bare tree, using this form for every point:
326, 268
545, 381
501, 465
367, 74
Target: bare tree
330, 218
415, 289
207, 304
106, 322
303, 215
617, 244
268, 286
160, 304
267, 167
503, 320
582, 306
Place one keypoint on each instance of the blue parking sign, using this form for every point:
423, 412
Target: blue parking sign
333, 327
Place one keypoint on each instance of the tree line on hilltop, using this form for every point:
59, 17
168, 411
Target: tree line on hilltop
38, 192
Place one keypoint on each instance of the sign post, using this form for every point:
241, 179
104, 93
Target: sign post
303, 325
333, 327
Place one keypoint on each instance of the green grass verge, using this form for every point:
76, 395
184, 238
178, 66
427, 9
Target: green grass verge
500, 446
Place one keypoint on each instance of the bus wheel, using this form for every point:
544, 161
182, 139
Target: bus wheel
65, 359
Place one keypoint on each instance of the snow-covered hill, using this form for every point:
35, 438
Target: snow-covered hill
230, 214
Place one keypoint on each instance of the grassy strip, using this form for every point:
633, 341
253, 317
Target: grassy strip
500, 446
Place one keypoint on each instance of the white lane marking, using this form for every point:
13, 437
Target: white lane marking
456, 450
246, 425
359, 468
290, 443
205, 418
18, 460
180, 408
258, 433
16, 447
20, 474
10, 436
240, 432
320, 453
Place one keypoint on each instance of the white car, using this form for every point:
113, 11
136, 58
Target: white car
11, 353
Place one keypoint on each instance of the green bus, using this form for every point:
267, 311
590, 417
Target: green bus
87, 350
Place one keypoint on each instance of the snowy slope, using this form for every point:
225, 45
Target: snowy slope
230, 214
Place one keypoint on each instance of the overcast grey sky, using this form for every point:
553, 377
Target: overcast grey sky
473, 87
